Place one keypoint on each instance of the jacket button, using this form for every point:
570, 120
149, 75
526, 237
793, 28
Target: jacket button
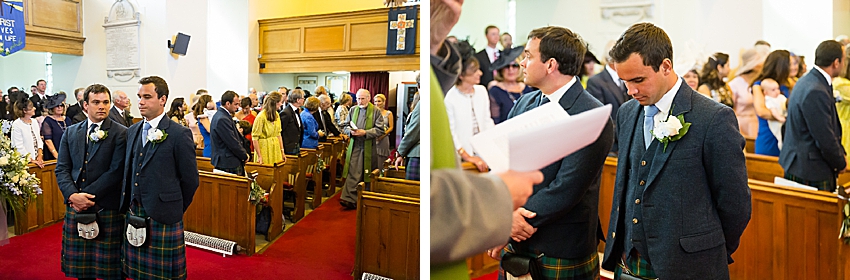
637, 201
613, 234
137, 184
140, 154
642, 182
642, 163
86, 162
634, 220
84, 179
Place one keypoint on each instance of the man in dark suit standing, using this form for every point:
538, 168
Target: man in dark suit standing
228, 155
609, 89
39, 97
561, 218
118, 111
89, 170
161, 176
290, 119
489, 54
324, 118
812, 153
681, 205
75, 112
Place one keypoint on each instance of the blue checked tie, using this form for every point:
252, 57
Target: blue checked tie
648, 122
145, 129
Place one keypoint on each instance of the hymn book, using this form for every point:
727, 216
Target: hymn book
539, 137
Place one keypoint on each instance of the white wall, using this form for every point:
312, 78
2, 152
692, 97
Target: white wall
22, 69
227, 42
477, 15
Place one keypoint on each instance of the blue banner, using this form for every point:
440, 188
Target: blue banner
401, 35
12, 27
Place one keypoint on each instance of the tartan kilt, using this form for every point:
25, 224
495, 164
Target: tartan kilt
412, 169
163, 256
638, 266
560, 269
828, 185
95, 258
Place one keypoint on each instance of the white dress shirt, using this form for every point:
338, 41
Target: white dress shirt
490, 51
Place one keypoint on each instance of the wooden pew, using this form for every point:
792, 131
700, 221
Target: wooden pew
312, 162
340, 147
333, 147
750, 145
388, 229
48, 208
765, 168
481, 264
220, 208
299, 171
792, 235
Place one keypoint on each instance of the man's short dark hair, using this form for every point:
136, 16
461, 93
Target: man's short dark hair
96, 88
486, 30
648, 41
827, 52
762, 43
565, 46
228, 97
39, 81
159, 85
12, 89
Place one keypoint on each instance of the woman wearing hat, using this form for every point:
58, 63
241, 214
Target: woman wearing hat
507, 86
54, 124
752, 61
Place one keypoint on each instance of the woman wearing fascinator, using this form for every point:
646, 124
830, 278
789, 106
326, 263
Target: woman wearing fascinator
507, 86
26, 135
54, 124
468, 107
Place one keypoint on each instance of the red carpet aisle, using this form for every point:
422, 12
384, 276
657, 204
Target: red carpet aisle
495, 276
321, 246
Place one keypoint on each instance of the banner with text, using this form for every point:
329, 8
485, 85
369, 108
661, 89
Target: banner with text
12, 27
401, 35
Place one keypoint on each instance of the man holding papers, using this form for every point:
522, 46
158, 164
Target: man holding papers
681, 200
560, 219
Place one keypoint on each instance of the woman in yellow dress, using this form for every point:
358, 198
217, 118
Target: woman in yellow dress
268, 145
841, 84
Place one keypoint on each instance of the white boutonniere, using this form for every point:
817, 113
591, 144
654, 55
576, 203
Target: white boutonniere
670, 129
97, 135
156, 136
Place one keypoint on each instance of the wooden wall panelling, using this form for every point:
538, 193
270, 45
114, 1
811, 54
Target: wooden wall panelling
48, 208
350, 41
54, 26
236, 222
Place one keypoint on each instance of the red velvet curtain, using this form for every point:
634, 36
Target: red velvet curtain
375, 82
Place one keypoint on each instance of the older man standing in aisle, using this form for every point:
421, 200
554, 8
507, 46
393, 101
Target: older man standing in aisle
361, 157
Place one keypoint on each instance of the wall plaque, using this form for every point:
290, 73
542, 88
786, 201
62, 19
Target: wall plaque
122, 41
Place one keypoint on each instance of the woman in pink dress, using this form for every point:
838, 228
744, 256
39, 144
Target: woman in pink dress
752, 61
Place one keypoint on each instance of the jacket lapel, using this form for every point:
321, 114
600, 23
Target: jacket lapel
613, 88
95, 145
78, 150
151, 148
681, 105
569, 97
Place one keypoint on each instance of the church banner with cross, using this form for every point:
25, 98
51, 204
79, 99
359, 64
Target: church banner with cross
12, 26
401, 36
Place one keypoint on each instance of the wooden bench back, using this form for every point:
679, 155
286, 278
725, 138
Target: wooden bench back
221, 209
388, 229
48, 208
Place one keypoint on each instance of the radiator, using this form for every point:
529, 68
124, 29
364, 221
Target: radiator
370, 276
218, 245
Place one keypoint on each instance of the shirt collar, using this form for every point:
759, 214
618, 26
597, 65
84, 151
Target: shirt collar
826, 75
556, 96
666, 101
99, 124
614, 75
293, 107
155, 121
490, 52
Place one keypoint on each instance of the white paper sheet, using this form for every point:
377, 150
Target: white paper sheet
788, 183
539, 137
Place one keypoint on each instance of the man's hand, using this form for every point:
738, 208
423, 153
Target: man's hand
81, 201
496, 252
399, 161
520, 229
521, 184
444, 16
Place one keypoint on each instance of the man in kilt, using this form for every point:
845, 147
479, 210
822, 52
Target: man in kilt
89, 170
560, 220
161, 177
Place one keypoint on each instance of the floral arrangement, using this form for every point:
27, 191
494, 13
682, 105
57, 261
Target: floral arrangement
320, 165
670, 129
845, 224
258, 195
97, 135
17, 186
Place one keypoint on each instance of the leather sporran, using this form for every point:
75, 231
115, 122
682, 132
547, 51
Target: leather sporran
522, 267
87, 225
137, 230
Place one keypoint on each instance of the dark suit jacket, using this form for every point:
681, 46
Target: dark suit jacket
484, 65
227, 151
329, 126
291, 131
38, 103
104, 163
812, 146
697, 202
567, 201
603, 87
75, 112
116, 116
168, 176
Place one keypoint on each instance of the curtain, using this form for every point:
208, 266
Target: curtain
375, 82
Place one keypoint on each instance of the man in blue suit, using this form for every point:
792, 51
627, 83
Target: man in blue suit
228, 155
89, 170
561, 218
812, 154
681, 205
161, 176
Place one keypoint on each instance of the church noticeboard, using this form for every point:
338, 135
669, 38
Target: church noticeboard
12, 30
122, 41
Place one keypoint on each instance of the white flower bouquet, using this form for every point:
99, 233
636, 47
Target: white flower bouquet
17, 186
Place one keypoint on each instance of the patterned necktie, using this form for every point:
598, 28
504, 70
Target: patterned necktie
91, 130
543, 100
648, 122
145, 129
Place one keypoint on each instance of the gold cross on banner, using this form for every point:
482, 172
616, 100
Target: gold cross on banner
401, 25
